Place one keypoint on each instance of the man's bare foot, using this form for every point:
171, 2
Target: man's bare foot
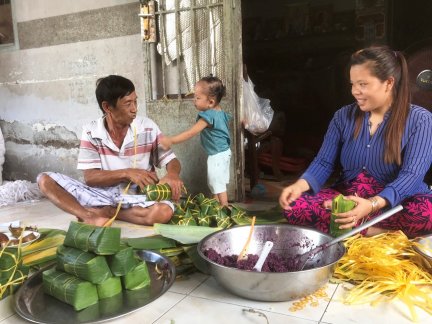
98, 216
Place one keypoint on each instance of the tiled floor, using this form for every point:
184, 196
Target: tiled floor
199, 299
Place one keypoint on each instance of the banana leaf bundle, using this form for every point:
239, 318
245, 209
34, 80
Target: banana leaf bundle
223, 220
9, 259
85, 265
96, 239
110, 287
69, 289
137, 278
12, 280
123, 261
111, 306
186, 219
157, 192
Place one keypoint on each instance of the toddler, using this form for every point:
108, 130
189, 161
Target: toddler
212, 124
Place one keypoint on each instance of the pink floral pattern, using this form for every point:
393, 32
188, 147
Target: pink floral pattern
414, 220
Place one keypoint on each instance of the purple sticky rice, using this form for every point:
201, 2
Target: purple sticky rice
273, 263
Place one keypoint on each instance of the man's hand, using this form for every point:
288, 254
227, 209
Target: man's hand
142, 177
173, 179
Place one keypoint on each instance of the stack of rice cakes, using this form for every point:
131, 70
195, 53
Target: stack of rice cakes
92, 265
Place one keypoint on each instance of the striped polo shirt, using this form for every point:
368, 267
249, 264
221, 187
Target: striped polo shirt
98, 151
366, 153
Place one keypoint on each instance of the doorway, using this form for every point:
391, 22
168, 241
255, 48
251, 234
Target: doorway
295, 53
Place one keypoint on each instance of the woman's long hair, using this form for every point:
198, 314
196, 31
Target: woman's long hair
385, 63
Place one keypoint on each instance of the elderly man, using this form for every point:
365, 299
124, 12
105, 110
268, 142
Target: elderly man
118, 155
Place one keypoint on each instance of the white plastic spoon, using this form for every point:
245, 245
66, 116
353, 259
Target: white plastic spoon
264, 253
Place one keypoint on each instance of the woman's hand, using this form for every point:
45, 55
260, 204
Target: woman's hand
292, 192
351, 218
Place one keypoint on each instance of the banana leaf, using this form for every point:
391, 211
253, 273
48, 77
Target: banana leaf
122, 262
69, 289
184, 234
269, 216
198, 262
85, 265
96, 239
154, 242
49, 232
110, 287
138, 278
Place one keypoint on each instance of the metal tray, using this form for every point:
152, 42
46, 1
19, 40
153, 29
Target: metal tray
33, 305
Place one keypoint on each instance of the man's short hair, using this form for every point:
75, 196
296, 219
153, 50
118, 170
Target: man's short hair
112, 88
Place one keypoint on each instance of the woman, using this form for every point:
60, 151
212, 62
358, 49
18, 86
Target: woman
383, 144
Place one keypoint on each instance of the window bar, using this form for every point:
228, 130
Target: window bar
193, 45
179, 48
209, 25
163, 46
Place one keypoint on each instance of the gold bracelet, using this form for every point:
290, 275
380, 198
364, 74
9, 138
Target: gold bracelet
375, 204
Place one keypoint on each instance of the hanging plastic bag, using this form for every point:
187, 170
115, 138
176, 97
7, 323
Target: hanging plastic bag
257, 112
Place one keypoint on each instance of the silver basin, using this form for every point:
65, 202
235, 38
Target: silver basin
289, 241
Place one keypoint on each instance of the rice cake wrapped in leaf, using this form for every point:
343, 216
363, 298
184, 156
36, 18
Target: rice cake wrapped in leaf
138, 278
12, 279
97, 239
158, 192
123, 261
85, 265
222, 219
110, 287
111, 306
69, 289
9, 258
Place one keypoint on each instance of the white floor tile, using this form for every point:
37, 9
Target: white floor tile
151, 312
187, 284
210, 289
386, 312
194, 310
6, 308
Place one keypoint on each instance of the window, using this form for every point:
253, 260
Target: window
6, 23
186, 44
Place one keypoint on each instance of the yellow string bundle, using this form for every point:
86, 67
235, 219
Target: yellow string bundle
383, 268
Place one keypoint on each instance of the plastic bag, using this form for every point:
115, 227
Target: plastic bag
257, 112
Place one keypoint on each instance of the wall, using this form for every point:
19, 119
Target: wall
47, 79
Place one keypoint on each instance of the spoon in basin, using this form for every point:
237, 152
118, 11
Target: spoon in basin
301, 260
264, 253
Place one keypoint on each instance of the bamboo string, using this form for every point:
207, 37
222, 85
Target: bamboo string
111, 220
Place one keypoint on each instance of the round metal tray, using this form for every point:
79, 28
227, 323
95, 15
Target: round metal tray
34, 305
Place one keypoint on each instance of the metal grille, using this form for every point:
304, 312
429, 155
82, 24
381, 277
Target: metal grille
190, 45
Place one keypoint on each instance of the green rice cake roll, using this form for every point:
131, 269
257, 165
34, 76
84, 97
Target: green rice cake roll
90, 238
110, 287
123, 261
69, 289
85, 265
138, 278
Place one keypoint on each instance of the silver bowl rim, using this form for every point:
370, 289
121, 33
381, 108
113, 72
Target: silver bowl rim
201, 254
419, 251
